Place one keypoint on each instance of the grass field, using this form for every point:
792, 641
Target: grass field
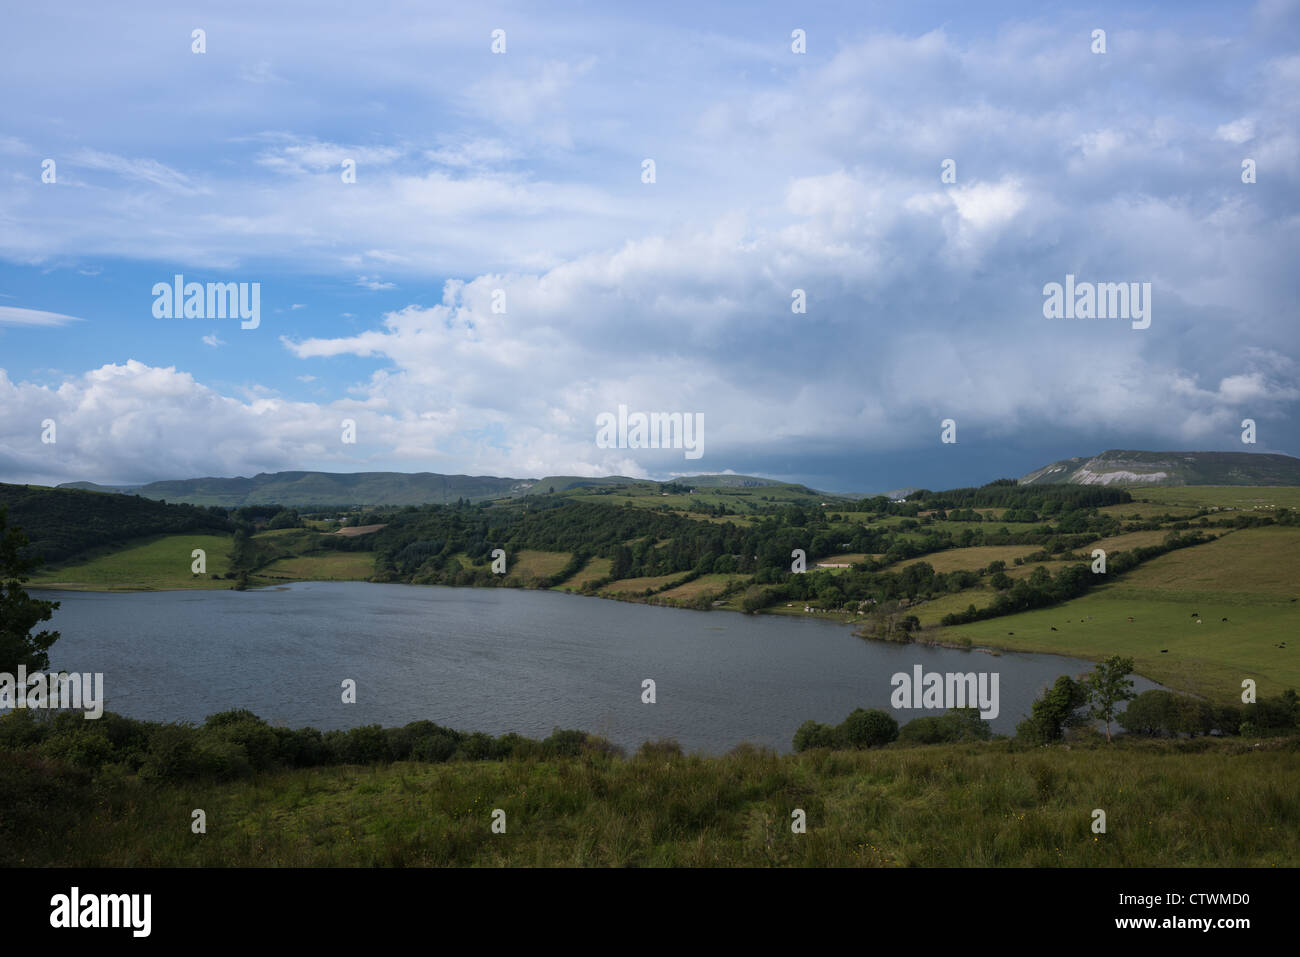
322, 566
1247, 577
634, 586
595, 568
1194, 804
161, 562
1220, 496
693, 589
969, 559
527, 565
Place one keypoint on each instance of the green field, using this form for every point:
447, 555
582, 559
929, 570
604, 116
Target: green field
322, 566
161, 562
1247, 577
526, 566
595, 569
1220, 496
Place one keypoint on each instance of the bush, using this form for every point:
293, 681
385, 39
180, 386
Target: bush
245, 730
300, 748
563, 743
868, 728
813, 734
662, 749
172, 754
365, 745
22, 729
959, 724
90, 749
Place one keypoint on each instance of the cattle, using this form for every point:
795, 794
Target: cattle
1053, 628
1223, 619
1164, 651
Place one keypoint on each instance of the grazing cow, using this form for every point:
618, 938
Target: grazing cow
1010, 632
1225, 619
1196, 614
1130, 617
1164, 651
1053, 628
1198, 621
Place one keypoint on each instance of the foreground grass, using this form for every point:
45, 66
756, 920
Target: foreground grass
1202, 803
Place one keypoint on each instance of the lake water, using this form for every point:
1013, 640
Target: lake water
499, 660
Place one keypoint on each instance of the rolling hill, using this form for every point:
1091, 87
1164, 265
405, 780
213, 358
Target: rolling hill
302, 488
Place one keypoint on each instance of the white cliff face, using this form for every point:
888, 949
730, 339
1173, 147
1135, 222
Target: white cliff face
1086, 476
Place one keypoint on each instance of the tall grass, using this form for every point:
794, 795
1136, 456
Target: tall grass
1167, 803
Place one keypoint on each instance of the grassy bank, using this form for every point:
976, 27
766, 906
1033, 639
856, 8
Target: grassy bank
1198, 803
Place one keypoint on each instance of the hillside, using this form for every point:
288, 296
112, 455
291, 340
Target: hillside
1126, 467
63, 522
327, 488
304, 488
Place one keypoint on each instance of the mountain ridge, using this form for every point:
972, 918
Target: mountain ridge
1130, 467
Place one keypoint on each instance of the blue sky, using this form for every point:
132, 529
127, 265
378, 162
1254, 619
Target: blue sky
522, 172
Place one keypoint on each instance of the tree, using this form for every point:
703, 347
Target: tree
1055, 711
1109, 686
19, 612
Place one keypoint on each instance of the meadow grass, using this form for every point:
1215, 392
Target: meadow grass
160, 562
322, 566
1202, 803
1221, 496
527, 564
595, 569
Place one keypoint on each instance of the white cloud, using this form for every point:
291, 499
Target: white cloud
1238, 131
12, 315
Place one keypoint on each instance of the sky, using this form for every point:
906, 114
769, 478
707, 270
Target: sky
498, 272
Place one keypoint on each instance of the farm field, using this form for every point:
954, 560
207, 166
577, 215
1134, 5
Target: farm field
322, 566
634, 586
1220, 496
161, 562
1247, 577
526, 565
595, 569
693, 589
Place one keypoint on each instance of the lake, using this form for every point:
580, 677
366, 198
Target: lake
500, 660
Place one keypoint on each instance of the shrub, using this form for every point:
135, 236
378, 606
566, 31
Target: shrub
253, 736
813, 734
662, 749
868, 728
172, 754
564, 743
959, 724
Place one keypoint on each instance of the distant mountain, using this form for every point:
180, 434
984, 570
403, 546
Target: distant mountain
379, 488
324, 488
1126, 467
92, 487
895, 495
